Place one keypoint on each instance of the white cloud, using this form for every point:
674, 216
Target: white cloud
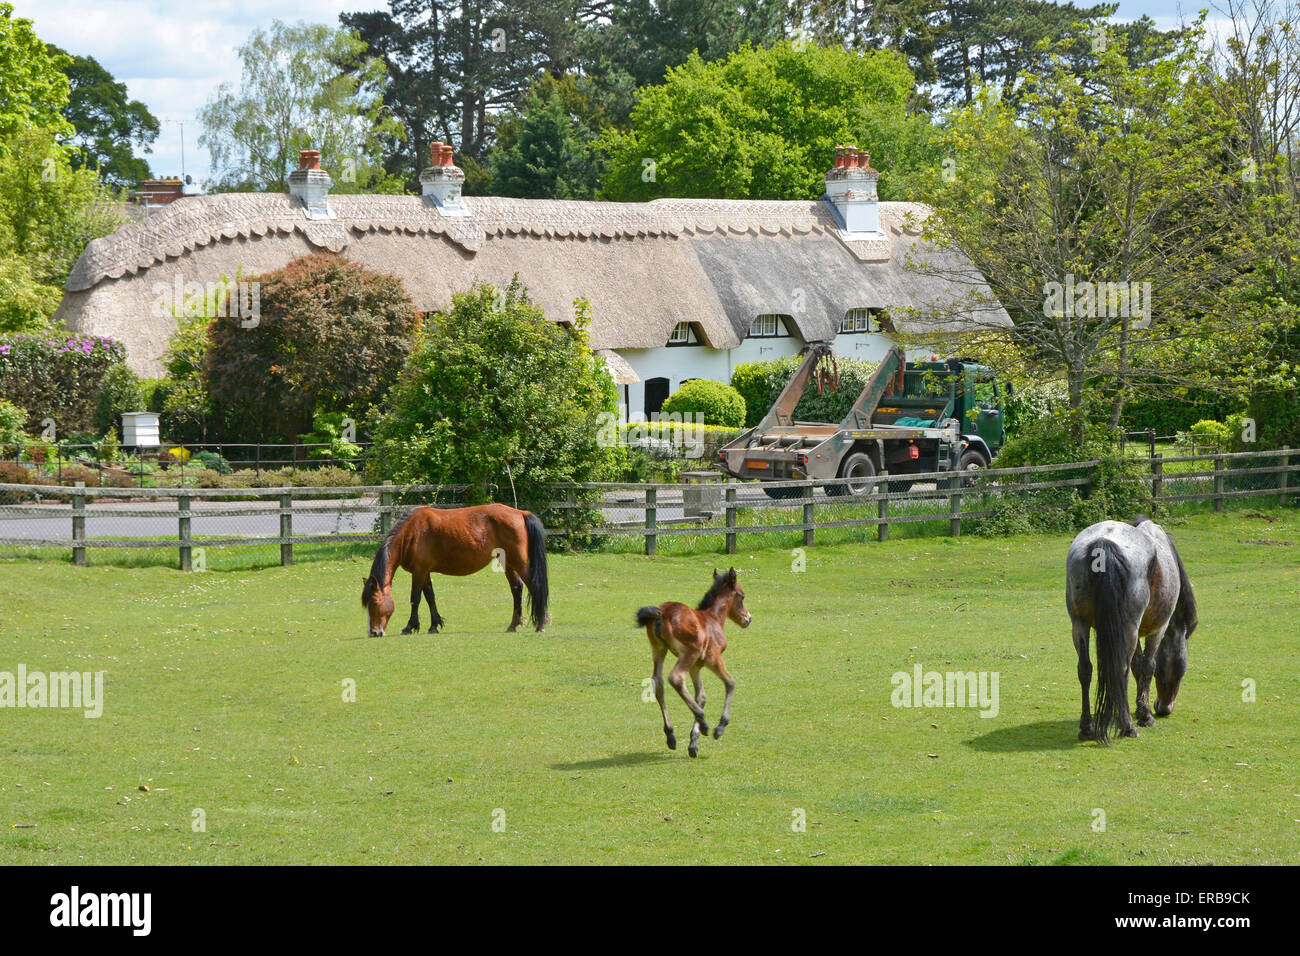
172, 56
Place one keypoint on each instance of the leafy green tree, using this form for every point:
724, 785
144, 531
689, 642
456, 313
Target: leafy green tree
49, 211
547, 150
644, 39
33, 90
764, 124
1115, 178
108, 125
498, 396
295, 94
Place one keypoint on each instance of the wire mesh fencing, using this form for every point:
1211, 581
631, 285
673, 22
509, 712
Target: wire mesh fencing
201, 528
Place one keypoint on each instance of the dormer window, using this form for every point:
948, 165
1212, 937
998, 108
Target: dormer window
865, 320
768, 327
683, 333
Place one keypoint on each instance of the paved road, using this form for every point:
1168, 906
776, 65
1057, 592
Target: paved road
151, 518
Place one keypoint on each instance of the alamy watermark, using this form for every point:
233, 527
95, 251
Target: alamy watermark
73, 690
209, 300
1098, 300
659, 432
922, 688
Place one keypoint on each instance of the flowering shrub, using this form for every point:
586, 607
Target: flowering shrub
56, 376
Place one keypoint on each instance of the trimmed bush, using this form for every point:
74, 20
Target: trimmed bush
57, 376
714, 402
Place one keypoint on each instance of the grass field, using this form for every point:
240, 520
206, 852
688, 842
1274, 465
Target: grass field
224, 694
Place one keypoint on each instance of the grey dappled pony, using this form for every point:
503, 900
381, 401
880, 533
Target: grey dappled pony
1128, 583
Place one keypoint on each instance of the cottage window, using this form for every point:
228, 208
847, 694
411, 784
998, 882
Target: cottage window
768, 326
681, 334
858, 320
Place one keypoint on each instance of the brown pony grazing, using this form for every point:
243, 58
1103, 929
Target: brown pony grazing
459, 541
696, 640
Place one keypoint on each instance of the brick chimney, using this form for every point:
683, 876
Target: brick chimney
851, 193
442, 179
311, 185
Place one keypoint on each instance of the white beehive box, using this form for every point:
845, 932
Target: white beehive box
140, 430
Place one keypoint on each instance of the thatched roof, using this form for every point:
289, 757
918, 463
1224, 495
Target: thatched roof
642, 266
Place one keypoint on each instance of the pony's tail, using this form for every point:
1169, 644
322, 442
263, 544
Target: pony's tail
1109, 596
647, 615
539, 588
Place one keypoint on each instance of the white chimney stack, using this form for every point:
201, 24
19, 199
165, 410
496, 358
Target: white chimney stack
851, 193
442, 181
311, 185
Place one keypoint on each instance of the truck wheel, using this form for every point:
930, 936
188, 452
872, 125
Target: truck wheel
861, 471
972, 461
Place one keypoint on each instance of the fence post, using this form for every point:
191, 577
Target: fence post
183, 510
954, 504
79, 527
1282, 476
1218, 483
1157, 476
809, 532
385, 510
731, 517
286, 530
651, 520
882, 507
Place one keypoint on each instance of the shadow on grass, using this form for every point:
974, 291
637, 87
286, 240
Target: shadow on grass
617, 760
1041, 735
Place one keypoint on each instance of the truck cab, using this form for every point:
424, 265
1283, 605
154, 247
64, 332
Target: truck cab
966, 391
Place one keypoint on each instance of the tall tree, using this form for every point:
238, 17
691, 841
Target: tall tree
547, 149
33, 90
295, 93
764, 123
108, 125
1104, 219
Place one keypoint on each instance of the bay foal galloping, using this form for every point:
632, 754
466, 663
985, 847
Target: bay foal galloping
696, 639
459, 541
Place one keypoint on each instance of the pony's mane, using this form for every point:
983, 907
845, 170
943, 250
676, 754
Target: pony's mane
720, 583
379, 568
1185, 611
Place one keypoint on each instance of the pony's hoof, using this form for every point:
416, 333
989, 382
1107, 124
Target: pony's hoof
693, 750
1087, 735
704, 728
409, 630
672, 742
1129, 732
1147, 721
717, 731
433, 630
512, 628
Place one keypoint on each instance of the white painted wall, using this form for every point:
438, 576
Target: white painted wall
679, 363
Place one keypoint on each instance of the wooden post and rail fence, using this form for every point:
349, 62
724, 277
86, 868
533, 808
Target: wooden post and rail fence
31, 514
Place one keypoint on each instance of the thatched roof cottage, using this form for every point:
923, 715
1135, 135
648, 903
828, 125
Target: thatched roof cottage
679, 288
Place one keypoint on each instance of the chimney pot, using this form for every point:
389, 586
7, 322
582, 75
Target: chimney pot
442, 180
310, 185
851, 193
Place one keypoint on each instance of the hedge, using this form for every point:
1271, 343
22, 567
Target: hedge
715, 402
57, 376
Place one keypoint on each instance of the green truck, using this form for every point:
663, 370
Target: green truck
912, 417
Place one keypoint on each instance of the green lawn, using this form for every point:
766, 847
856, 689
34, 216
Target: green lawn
224, 692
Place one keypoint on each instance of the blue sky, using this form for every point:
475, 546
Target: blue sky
172, 55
